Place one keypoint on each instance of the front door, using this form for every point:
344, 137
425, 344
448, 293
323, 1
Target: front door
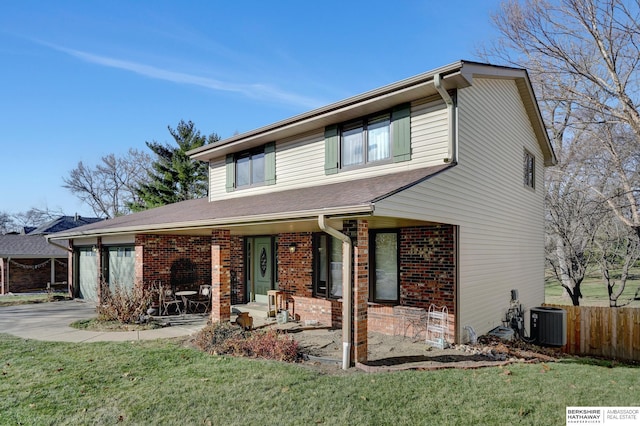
261, 268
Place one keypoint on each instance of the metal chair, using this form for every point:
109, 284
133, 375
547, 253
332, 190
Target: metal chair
202, 299
168, 299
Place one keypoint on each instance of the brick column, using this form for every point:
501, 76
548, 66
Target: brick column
360, 291
221, 275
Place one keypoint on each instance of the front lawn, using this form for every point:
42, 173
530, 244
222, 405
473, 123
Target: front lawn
166, 382
594, 291
23, 299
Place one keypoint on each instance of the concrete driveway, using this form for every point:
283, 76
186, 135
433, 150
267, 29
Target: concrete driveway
50, 321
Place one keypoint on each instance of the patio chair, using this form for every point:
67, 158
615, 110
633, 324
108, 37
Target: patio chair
202, 299
167, 300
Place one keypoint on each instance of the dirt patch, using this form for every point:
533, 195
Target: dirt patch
322, 349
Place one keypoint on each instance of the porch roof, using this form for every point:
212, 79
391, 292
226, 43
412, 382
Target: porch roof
28, 246
356, 197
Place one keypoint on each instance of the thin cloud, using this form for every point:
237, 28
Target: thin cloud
255, 90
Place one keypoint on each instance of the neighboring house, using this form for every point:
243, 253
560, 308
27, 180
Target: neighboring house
362, 213
29, 263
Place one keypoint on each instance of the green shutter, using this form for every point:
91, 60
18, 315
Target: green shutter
401, 119
331, 150
231, 172
270, 163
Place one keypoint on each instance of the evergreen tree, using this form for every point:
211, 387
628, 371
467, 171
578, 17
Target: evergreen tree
173, 176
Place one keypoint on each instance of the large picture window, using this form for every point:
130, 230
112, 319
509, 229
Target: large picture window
327, 264
385, 283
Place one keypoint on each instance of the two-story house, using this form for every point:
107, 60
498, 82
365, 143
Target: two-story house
426, 191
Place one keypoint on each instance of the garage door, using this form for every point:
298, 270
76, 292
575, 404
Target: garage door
122, 265
88, 274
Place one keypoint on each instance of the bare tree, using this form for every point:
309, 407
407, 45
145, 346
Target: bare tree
36, 216
109, 188
588, 52
618, 249
6, 223
583, 58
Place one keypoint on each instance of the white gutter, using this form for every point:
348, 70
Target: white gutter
451, 109
346, 289
67, 249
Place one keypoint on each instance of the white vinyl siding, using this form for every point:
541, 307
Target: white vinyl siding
501, 228
300, 160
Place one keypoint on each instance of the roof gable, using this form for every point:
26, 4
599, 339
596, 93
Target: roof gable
454, 76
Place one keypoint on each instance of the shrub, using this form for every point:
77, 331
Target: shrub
122, 304
227, 339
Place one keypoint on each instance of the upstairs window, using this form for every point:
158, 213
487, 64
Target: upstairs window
369, 140
529, 170
251, 168
366, 141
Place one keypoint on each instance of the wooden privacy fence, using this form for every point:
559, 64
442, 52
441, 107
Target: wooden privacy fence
603, 331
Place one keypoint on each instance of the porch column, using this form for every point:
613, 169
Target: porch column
221, 275
361, 292
52, 276
1, 275
70, 276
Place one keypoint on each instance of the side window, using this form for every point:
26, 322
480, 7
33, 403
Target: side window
251, 168
384, 258
327, 266
529, 170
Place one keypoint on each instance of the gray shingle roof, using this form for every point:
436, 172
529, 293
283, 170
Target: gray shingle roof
28, 246
63, 223
288, 204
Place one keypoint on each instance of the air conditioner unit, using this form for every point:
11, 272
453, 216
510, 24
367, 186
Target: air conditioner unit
548, 326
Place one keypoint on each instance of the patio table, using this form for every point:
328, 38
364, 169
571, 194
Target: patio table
184, 294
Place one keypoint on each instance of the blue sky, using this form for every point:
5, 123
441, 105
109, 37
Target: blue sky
83, 79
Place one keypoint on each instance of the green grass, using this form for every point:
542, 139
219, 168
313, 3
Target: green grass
594, 291
19, 299
165, 382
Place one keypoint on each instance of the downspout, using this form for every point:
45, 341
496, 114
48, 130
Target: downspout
346, 289
451, 110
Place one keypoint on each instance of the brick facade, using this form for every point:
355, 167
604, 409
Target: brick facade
220, 275
427, 275
238, 289
361, 292
181, 261
23, 275
295, 268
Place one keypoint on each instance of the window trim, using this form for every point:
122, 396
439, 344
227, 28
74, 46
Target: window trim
372, 265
